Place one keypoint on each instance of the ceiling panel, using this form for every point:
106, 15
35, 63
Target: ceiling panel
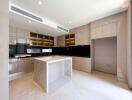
72, 13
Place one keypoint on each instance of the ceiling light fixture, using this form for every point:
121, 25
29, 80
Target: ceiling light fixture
70, 22
40, 2
29, 21
103, 9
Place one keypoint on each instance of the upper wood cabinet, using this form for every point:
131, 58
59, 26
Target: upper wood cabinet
82, 38
96, 32
82, 35
17, 35
61, 41
106, 27
110, 29
105, 30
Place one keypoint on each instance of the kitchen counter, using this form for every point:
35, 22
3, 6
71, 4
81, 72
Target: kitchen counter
51, 59
52, 72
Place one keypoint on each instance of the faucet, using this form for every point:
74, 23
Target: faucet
50, 50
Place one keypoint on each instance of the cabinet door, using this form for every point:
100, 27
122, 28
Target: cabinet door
83, 64
22, 40
29, 65
61, 41
25, 65
12, 32
82, 39
13, 67
109, 30
22, 34
106, 30
96, 32
12, 40
21, 65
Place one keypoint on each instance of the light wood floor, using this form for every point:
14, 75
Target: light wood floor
83, 86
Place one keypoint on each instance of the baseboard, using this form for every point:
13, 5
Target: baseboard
16, 76
122, 80
83, 70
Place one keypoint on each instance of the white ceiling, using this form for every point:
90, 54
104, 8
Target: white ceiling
23, 23
69, 13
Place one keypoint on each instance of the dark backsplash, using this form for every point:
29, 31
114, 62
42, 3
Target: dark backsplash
78, 51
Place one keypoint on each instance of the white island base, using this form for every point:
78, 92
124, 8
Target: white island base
52, 72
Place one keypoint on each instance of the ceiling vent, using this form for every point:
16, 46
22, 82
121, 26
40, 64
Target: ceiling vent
63, 29
25, 13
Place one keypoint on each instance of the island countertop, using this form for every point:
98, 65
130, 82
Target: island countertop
51, 59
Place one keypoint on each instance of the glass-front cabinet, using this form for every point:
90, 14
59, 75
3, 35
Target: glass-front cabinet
41, 40
70, 40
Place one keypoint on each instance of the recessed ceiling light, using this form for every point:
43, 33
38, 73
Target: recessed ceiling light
29, 22
40, 3
103, 9
69, 22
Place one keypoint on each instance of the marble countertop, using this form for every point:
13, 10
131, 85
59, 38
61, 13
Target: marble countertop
51, 59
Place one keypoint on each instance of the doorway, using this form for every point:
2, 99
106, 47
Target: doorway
105, 55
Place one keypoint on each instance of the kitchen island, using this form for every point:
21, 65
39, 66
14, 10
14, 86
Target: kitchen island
52, 72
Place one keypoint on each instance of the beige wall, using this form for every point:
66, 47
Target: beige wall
105, 55
4, 32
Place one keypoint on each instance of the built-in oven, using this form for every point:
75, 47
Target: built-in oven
21, 48
34, 51
12, 51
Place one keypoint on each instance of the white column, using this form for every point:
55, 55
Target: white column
4, 35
